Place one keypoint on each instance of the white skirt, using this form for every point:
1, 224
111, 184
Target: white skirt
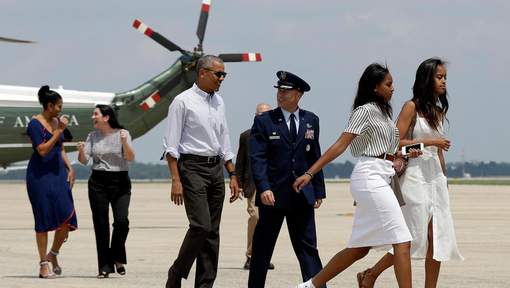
378, 219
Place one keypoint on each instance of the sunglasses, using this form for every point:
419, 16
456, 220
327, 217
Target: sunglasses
218, 74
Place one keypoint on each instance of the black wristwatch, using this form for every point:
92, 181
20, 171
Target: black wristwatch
230, 174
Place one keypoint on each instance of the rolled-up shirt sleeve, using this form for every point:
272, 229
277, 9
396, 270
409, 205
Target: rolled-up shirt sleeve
174, 126
226, 147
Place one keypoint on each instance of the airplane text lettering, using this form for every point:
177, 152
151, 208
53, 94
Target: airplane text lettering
22, 121
72, 120
19, 122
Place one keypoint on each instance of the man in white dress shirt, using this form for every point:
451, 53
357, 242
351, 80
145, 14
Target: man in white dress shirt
196, 144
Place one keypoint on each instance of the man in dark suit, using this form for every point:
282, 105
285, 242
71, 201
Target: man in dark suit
243, 171
284, 142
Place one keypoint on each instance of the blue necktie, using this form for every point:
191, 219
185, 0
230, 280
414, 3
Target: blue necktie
293, 130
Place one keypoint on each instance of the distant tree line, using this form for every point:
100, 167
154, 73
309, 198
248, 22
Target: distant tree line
333, 170
478, 169
455, 170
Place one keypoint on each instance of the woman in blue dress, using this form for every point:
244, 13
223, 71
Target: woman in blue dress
50, 178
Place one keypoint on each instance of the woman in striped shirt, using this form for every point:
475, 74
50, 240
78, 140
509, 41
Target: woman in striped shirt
424, 184
378, 219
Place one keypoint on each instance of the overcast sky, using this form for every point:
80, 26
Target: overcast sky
90, 45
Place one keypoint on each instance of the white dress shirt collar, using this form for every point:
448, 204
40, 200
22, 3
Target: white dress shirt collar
286, 115
201, 92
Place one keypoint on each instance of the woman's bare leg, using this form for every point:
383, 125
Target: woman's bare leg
58, 239
339, 263
431, 266
42, 245
402, 264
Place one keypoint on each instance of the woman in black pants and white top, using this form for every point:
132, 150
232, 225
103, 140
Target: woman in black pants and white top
109, 146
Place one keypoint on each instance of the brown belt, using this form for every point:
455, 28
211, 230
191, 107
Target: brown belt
388, 157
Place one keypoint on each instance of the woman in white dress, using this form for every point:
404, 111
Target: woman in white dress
378, 219
424, 186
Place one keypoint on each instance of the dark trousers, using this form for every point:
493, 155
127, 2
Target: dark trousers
105, 189
301, 225
204, 193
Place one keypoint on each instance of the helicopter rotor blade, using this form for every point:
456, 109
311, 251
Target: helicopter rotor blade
241, 57
202, 21
12, 40
148, 31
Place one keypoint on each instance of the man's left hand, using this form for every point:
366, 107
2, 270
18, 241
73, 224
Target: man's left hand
317, 204
235, 192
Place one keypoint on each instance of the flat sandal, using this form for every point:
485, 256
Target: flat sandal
50, 275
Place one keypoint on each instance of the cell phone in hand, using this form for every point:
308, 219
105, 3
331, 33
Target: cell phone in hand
407, 149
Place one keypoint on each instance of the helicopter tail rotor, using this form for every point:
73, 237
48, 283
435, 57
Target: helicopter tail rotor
148, 31
241, 57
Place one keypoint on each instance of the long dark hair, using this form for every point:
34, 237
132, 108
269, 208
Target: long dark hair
372, 76
47, 96
431, 106
112, 118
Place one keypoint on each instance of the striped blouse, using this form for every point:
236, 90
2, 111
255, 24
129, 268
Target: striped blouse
377, 134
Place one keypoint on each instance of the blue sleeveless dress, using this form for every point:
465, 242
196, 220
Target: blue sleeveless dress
47, 186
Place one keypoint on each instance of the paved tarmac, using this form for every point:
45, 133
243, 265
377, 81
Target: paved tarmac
481, 215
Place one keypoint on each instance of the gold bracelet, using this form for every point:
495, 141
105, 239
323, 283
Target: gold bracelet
309, 174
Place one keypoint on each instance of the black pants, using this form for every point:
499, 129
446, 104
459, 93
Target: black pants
204, 193
301, 225
105, 189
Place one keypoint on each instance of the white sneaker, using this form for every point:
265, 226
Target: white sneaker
307, 284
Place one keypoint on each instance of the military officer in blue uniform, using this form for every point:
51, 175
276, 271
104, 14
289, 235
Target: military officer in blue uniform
284, 142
